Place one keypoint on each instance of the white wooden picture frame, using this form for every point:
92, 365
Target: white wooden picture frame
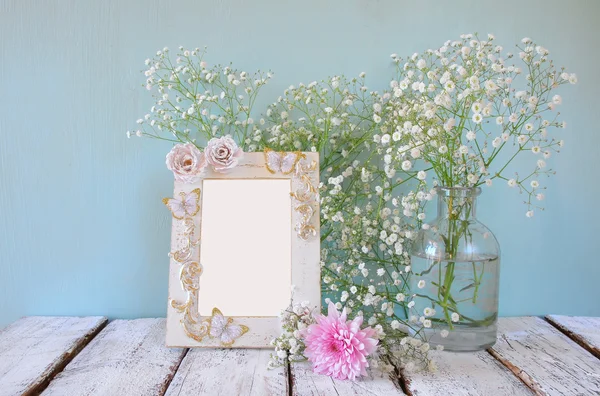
248, 324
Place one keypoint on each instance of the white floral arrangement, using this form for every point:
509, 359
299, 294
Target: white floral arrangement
454, 116
195, 101
461, 114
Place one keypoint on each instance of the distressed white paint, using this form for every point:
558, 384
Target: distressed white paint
544, 358
34, 349
305, 267
128, 357
305, 382
243, 372
465, 374
584, 330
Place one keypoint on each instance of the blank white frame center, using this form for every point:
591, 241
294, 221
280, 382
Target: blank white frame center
246, 247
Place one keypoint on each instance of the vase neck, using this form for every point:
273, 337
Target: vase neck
457, 203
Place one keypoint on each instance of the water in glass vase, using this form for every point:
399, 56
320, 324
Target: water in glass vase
455, 275
465, 318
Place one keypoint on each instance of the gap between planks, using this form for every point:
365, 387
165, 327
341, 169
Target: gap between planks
463, 373
400, 379
546, 360
458, 374
576, 329
520, 373
170, 379
287, 371
69, 356
128, 357
228, 371
503, 369
36, 349
305, 382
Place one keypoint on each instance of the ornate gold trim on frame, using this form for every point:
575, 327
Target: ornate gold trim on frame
186, 327
306, 195
217, 325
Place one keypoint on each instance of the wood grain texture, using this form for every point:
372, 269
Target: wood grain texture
464, 374
545, 359
227, 372
127, 358
34, 349
305, 382
583, 330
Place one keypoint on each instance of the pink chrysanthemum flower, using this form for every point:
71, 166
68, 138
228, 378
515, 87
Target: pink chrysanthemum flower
339, 348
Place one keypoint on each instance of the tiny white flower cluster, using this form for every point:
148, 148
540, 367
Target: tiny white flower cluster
289, 346
412, 354
319, 116
460, 114
194, 101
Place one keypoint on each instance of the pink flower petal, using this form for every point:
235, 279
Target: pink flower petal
338, 348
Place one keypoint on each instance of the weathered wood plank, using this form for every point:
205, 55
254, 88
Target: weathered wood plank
545, 359
35, 348
583, 330
305, 382
128, 357
464, 374
227, 372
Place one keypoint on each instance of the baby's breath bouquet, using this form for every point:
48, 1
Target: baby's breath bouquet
195, 101
361, 273
468, 112
456, 118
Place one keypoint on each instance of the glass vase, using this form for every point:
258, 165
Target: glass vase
455, 264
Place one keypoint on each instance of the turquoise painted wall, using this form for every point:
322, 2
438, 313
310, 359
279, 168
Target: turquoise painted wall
82, 228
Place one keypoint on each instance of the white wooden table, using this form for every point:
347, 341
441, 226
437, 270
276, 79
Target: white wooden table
557, 355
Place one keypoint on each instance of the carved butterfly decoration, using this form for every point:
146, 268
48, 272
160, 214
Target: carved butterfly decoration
187, 206
224, 329
281, 162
